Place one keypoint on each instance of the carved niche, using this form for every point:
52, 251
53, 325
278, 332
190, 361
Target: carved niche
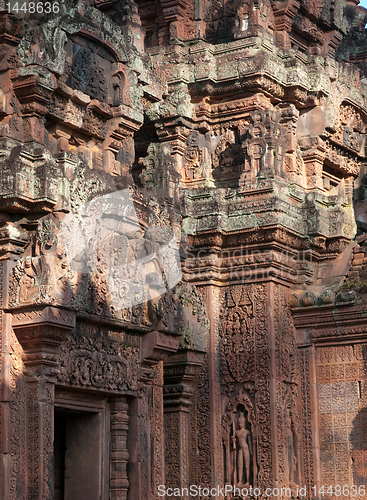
196, 163
287, 393
291, 443
90, 107
349, 129
159, 171
193, 167
256, 147
239, 442
88, 73
41, 275
229, 158
229, 19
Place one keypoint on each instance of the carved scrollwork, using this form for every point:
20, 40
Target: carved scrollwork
98, 362
237, 334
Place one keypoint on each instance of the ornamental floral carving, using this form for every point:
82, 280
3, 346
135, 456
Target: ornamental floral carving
237, 336
99, 362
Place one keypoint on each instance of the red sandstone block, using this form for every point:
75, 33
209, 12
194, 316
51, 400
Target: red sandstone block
357, 261
357, 268
353, 274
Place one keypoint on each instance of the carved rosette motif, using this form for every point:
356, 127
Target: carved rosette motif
267, 146
341, 394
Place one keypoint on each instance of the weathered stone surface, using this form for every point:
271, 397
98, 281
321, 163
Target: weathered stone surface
238, 130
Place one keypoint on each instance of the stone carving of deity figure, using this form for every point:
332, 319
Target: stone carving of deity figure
242, 445
290, 451
226, 161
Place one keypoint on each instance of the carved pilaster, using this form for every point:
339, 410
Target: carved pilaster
157, 435
5, 398
40, 432
40, 332
179, 419
119, 455
34, 95
147, 414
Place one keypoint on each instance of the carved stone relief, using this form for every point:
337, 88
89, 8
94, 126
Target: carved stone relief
239, 442
341, 401
107, 361
237, 337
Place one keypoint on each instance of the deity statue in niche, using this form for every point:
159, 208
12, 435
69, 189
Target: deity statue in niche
193, 156
241, 21
290, 451
256, 152
226, 161
242, 451
118, 87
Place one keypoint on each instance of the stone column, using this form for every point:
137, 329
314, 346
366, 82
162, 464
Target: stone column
34, 95
119, 483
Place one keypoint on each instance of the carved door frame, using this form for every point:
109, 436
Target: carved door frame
87, 403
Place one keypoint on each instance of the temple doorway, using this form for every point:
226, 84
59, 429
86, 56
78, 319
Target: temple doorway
80, 452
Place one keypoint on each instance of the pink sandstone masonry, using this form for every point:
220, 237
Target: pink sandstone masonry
215, 332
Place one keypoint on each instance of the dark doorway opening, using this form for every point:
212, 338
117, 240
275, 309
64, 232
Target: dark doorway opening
77, 455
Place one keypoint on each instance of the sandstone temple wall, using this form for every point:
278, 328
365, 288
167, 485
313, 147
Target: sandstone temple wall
183, 259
